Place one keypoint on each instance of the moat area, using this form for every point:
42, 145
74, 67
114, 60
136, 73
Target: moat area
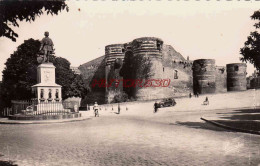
137, 136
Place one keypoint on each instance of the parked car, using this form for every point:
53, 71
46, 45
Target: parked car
167, 102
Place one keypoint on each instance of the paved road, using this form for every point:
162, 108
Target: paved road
166, 138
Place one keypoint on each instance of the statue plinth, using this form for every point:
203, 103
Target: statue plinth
46, 88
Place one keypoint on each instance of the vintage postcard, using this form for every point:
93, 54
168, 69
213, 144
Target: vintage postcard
129, 83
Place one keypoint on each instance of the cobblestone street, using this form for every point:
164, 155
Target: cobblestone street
137, 136
165, 138
129, 83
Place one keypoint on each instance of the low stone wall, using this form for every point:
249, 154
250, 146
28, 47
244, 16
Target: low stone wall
44, 117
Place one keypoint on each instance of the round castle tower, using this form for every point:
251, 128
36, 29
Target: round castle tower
236, 77
114, 56
147, 52
204, 80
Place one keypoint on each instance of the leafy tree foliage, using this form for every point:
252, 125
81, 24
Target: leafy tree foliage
120, 97
20, 74
72, 84
1, 100
251, 49
12, 11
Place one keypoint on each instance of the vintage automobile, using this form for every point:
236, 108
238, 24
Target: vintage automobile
167, 102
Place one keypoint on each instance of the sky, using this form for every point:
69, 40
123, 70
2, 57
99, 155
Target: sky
211, 29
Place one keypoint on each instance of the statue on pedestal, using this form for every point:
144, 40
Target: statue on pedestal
46, 49
50, 95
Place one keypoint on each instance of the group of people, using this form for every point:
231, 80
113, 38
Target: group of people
196, 94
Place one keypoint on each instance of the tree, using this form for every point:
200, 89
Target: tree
20, 74
12, 11
251, 49
1, 100
72, 84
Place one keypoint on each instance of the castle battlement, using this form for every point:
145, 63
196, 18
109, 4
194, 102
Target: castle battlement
150, 58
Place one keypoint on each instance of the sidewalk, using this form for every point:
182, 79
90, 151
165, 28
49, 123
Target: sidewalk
240, 120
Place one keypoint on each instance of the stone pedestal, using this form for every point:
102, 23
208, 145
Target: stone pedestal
46, 90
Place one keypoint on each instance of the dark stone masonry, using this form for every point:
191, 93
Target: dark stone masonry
150, 58
236, 77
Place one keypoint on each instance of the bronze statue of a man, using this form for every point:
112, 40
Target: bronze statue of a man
46, 47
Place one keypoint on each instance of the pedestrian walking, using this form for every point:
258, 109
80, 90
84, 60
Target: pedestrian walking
118, 108
156, 107
196, 94
95, 107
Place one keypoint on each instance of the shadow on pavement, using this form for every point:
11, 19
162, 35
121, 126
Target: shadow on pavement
242, 111
243, 114
200, 125
7, 163
245, 125
116, 113
241, 119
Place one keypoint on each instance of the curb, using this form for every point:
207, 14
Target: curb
231, 128
12, 122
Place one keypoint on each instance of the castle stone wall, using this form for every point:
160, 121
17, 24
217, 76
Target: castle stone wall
236, 77
204, 76
114, 59
91, 71
178, 70
148, 57
221, 79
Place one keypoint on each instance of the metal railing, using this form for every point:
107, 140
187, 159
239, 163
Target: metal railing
6, 112
34, 107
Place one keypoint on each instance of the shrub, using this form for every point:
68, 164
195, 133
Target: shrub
120, 97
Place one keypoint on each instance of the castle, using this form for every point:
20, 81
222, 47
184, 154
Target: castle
148, 58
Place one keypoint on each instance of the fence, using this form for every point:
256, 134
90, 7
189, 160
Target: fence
33, 107
6, 112
19, 105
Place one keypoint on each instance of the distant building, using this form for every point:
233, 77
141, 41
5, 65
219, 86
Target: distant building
253, 81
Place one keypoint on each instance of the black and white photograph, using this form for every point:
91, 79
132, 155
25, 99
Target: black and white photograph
129, 83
